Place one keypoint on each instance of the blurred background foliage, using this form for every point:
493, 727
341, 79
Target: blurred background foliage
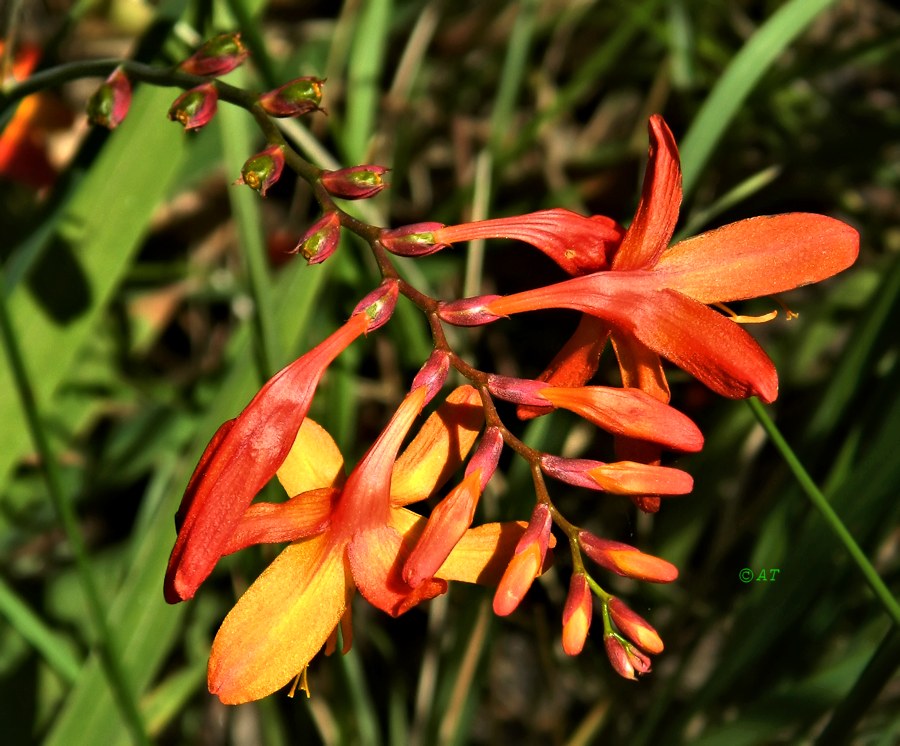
150, 298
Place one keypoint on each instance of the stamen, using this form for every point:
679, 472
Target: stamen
788, 313
739, 319
300, 681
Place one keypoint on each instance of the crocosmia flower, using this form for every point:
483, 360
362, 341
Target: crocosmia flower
352, 533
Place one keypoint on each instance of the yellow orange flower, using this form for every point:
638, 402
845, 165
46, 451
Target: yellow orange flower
364, 538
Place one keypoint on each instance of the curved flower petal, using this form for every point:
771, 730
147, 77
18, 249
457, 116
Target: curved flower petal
240, 460
314, 461
629, 412
578, 244
759, 256
273, 523
657, 213
281, 622
377, 556
438, 448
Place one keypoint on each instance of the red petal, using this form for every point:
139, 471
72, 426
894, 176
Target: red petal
759, 256
656, 216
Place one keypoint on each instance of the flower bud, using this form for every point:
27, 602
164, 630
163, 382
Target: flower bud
468, 311
517, 390
433, 374
526, 564
635, 627
293, 99
625, 659
487, 455
263, 169
577, 614
321, 240
620, 478
217, 56
357, 182
109, 104
413, 240
625, 560
379, 304
196, 107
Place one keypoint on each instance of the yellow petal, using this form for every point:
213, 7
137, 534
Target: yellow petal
314, 461
281, 622
439, 447
483, 553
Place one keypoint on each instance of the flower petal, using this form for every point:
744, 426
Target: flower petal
377, 556
314, 461
657, 213
281, 622
629, 412
240, 460
273, 523
759, 256
438, 448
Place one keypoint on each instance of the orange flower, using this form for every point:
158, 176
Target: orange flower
365, 537
654, 299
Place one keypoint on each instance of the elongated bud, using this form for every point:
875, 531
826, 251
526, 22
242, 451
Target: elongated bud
321, 240
293, 99
625, 560
433, 374
635, 627
487, 455
217, 56
263, 169
468, 311
356, 182
196, 107
620, 478
379, 304
413, 240
518, 390
526, 564
577, 614
110, 102
446, 525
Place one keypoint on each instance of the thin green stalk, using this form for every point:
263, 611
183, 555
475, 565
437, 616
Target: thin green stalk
109, 657
821, 504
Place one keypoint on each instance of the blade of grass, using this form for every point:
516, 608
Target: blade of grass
744, 72
110, 656
881, 591
54, 649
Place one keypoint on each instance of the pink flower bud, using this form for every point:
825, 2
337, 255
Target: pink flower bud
413, 240
518, 390
487, 455
196, 107
577, 614
293, 99
110, 102
379, 304
433, 374
468, 311
321, 240
625, 659
625, 560
620, 478
357, 182
263, 169
527, 562
635, 627
217, 56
